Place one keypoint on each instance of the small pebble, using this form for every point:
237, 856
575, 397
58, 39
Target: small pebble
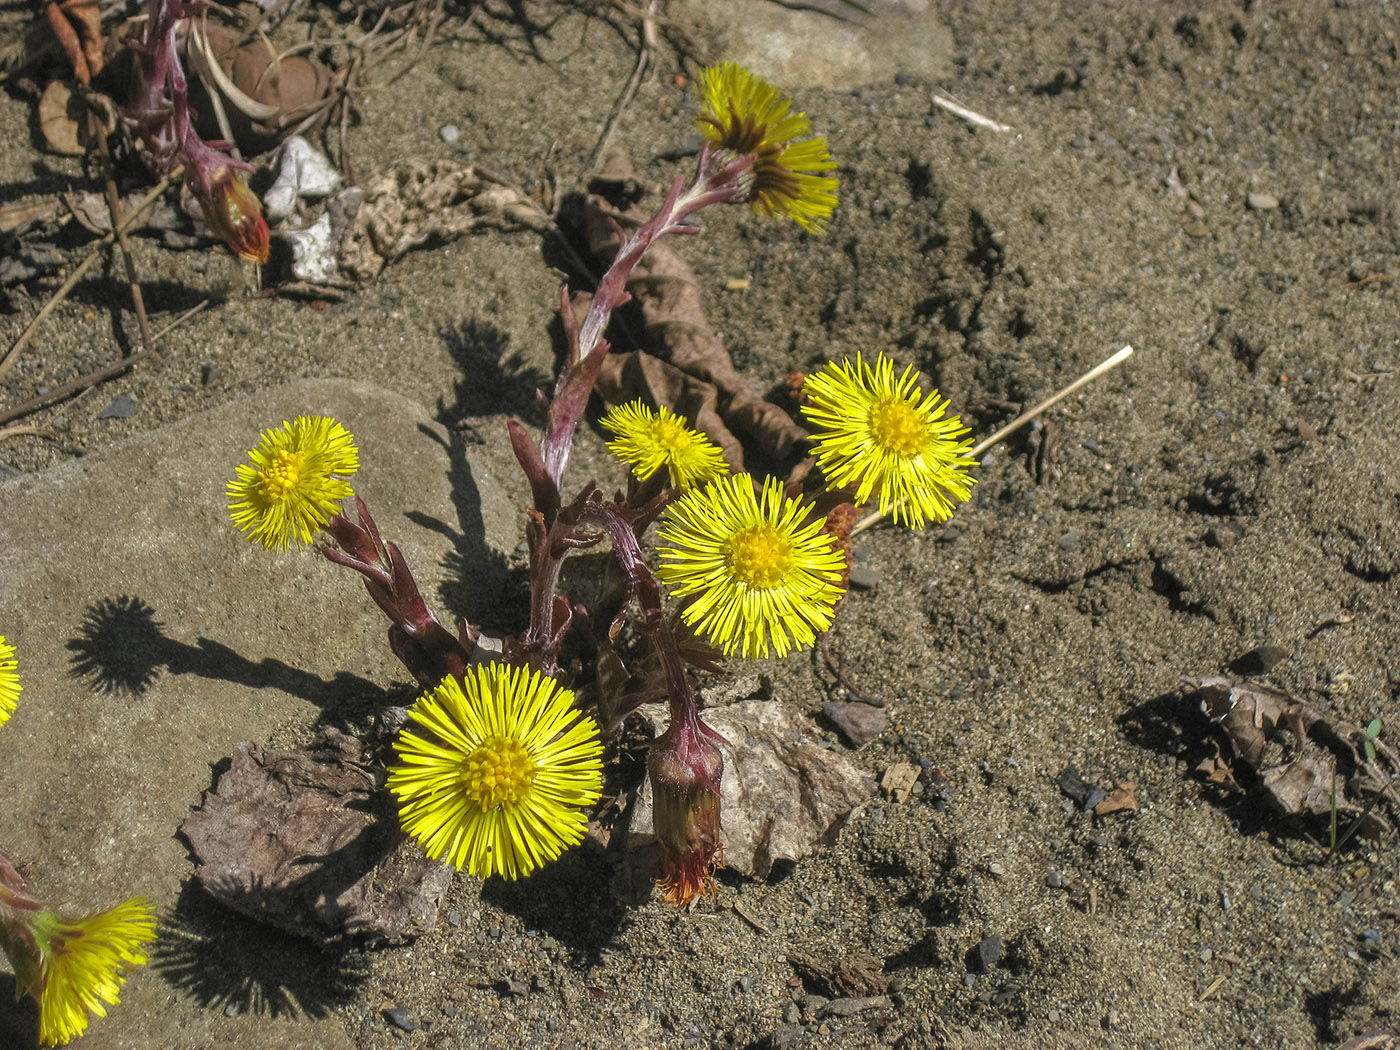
401, 1019
1261, 201
792, 1014
552, 1024
1260, 660
1197, 230
1054, 879
121, 408
1347, 896
985, 955
1069, 542
865, 577
1256, 890
232, 1010
903, 79
746, 984
454, 917
1374, 936
449, 134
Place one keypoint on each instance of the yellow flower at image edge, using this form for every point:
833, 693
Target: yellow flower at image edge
80, 963
648, 439
295, 483
9, 681
883, 437
744, 114
758, 575
498, 782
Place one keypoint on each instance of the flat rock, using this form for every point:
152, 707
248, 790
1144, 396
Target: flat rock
828, 43
153, 638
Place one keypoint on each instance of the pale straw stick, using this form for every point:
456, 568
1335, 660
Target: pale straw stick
1024, 418
971, 116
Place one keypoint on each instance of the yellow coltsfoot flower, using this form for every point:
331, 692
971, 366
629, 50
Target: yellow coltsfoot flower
498, 782
75, 967
883, 437
648, 439
759, 576
9, 681
295, 483
744, 114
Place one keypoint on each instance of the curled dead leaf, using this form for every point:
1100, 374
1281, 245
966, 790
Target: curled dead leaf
60, 110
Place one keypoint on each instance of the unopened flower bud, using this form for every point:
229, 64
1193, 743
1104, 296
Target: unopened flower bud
234, 213
685, 766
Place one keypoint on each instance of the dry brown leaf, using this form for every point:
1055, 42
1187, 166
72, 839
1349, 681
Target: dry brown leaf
59, 112
677, 330
291, 838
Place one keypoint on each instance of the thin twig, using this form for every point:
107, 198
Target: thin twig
1024, 418
114, 209
624, 100
7, 362
959, 110
83, 382
43, 432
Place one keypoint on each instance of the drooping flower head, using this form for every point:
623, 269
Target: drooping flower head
234, 212
648, 439
685, 767
295, 483
74, 967
9, 681
759, 576
744, 114
882, 436
495, 771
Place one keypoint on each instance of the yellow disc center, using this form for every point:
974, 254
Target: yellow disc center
498, 772
281, 475
897, 425
671, 435
760, 556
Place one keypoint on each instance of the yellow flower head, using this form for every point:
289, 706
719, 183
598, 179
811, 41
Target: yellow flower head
745, 114
882, 434
9, 681
648, 440
295, 483
499, 781
74, 967
759, 575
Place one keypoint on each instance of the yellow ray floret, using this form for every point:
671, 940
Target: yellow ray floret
882, 436
295, 483
9, 681
744, 114
758, 575
495, 771
76, 967
648, 439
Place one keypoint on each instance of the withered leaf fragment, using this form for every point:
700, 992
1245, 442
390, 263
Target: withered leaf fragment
292, 838
677, 331
856, 974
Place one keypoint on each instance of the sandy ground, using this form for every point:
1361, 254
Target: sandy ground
1048, 625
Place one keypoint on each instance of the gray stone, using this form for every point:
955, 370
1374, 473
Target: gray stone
859, 723
829, 43
851, 1007
153, 638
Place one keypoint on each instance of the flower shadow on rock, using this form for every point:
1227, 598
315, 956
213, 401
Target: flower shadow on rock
231, 963
121, 649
